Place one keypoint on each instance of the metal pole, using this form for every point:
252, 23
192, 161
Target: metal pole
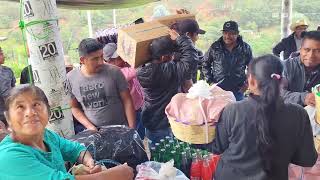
89, 23
114, 18
286, 17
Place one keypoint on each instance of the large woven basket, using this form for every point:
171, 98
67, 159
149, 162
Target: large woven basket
192, 134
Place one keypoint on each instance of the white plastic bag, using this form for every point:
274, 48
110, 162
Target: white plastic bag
152, 170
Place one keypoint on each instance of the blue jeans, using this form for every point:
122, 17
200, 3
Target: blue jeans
139, 125
156, 135
239, 95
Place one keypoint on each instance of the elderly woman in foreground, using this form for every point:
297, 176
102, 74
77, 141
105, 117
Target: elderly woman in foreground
33, 152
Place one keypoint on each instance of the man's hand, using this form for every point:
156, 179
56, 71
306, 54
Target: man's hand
182, 11
244, 88
123, 172
173, 34
310, 100
92, 128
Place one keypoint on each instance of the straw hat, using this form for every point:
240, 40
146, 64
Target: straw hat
300, 22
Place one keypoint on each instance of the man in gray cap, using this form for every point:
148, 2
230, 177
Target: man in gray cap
226, 61
7, 81
111, 56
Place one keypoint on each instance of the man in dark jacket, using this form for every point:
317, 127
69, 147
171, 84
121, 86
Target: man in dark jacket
301, 73
226, 61
160, 80
291, 43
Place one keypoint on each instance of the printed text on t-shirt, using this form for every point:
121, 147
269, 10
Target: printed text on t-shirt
93, 95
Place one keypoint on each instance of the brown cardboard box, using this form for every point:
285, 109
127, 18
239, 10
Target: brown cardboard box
134, 41
169, 20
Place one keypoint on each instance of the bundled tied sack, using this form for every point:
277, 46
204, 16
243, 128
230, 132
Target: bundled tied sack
193, 116
118, 143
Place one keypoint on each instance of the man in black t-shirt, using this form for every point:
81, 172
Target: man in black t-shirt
160, 80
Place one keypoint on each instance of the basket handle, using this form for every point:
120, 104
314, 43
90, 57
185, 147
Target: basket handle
205, 119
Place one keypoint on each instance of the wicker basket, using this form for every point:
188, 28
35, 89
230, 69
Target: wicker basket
192, 134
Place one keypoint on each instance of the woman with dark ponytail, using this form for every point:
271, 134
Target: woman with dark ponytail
260, 136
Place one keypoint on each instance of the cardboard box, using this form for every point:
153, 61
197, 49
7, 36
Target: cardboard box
169, 20
134, 41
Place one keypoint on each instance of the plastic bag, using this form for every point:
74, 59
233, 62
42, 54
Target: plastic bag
118, 143
152, 170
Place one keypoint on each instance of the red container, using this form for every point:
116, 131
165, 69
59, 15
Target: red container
214, 159
206, 171
195, 170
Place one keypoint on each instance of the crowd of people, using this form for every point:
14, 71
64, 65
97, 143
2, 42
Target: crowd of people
257, 137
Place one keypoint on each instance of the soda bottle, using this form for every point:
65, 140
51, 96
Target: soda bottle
162, 143
178, 148
214, 159
157, 146
185, 164
188, 153
167, 139
168, 148
153, 154
171, 143
162, 155
176, 159
206, 172
195, 170
181, 144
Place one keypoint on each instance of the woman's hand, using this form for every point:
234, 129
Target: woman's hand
86, 159
122, 172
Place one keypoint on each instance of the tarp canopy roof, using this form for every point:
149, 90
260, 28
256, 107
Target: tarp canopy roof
97, 4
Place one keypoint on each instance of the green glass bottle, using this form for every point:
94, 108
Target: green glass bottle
188, 152
162, 143
167, 139
177, 148
157, 146
162, 155
176, 159
181, 144
171, 143
168, 148
154, 154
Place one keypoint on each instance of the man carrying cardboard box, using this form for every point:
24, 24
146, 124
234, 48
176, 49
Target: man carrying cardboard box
161, 78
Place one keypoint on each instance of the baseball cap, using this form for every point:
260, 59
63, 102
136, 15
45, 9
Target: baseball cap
189, 25
161, 46
231, 26
110, 51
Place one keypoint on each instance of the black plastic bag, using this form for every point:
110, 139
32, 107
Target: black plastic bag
118, 143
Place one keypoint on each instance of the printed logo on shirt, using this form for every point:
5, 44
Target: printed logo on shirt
93, 95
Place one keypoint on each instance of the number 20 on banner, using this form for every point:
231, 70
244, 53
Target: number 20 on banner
48, 50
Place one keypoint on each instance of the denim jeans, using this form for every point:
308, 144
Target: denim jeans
139, 125
238, 95
155, 135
